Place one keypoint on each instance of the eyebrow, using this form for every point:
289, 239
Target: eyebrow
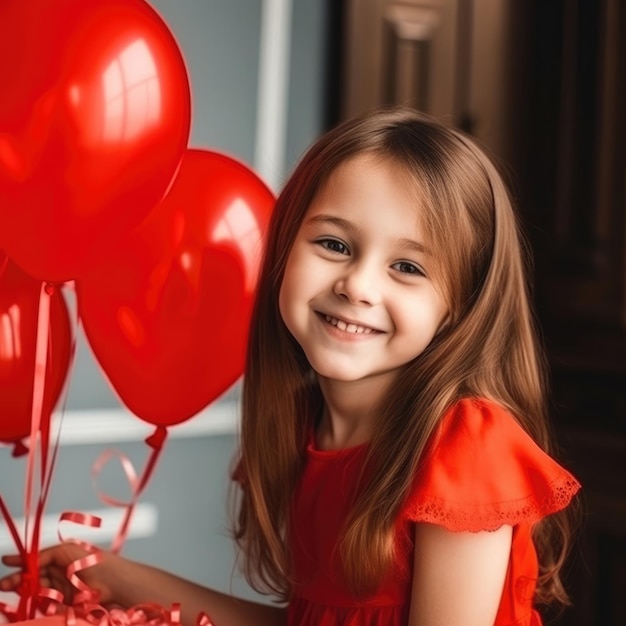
404, 242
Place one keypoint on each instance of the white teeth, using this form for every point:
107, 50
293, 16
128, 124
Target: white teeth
349, 328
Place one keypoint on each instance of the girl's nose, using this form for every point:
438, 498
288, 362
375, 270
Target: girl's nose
358, 284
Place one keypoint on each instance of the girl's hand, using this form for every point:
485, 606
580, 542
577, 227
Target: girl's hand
53, 564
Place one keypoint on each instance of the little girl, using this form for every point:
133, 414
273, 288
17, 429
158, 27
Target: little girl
394, 465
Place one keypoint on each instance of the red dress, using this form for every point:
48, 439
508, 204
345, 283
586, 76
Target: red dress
482, 471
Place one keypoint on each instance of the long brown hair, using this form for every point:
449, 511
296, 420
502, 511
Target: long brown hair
488, 349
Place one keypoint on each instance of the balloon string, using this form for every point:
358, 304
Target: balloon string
156, 442
40, 427
48, 462
72, 354
41, 353
39, 423
12, 529
41, 364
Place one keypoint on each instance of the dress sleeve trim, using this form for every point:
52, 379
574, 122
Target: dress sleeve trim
477, 517
483, 470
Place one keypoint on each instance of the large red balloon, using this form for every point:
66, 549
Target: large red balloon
3, 262
94, 119
167, 315
19, 310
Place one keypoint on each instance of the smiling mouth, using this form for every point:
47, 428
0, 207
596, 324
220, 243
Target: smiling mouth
348, 327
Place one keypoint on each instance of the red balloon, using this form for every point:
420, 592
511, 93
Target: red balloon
167, 315
19, 311
94, 119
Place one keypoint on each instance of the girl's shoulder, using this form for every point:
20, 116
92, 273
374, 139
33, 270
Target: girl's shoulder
482, 470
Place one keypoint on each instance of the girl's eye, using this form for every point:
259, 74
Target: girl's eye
408, 268
334, 245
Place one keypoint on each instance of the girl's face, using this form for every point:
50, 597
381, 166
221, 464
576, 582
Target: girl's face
359, 293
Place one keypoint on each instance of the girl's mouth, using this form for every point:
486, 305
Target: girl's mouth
348, 327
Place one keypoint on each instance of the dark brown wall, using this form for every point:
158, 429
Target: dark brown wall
573, 197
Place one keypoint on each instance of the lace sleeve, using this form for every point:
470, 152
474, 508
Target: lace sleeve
483, 470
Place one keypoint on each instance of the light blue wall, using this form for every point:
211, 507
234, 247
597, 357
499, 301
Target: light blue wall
220, 42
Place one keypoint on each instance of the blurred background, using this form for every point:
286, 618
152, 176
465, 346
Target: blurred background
541, 86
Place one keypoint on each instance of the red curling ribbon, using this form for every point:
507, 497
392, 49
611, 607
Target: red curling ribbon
145, 614
70, 617
90, 612
127, 468
86, 593
135, 487
84, 519
204, 620
51, 594
95, 556
140, 615
175, 614
9, 612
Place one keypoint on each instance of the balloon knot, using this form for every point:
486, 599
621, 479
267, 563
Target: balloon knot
156, 439
19, 449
